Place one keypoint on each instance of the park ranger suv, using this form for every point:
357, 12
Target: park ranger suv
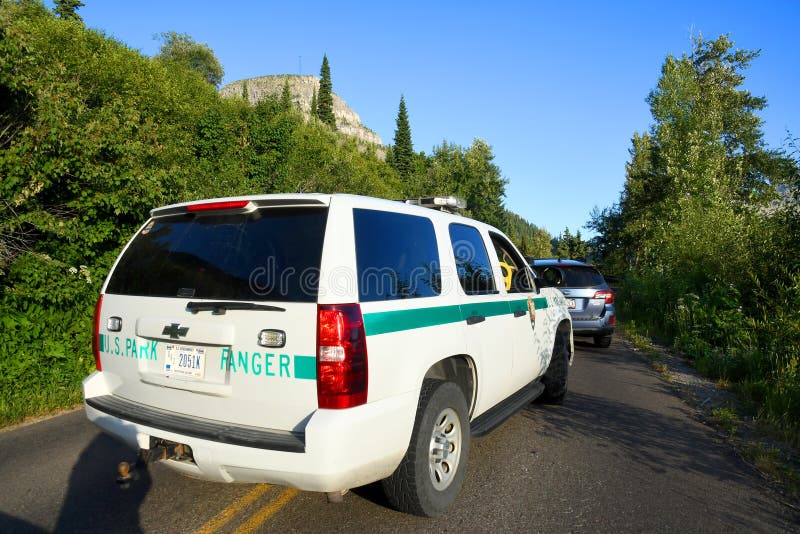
322, 342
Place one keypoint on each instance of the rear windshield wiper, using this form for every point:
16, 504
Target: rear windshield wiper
220, 307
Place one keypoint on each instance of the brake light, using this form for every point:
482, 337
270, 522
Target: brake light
341, 356
214, 206
605, 294
612, 320
96, 337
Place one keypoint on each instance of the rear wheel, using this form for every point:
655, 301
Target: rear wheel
602, 341
555, 379
431, 474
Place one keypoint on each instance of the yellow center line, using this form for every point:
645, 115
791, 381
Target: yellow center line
258, 518
222, 518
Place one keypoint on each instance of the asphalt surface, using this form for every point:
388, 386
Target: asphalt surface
622, 454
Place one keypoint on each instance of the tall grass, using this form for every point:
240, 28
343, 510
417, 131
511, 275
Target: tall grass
752, 341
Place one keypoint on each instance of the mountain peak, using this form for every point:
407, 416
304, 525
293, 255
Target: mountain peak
302, 88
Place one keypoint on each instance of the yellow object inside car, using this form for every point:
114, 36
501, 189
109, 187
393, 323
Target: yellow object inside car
508, 274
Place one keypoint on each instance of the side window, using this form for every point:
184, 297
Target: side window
472, 261
515, 272
396, 256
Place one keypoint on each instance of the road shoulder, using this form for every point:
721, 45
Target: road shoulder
759, 446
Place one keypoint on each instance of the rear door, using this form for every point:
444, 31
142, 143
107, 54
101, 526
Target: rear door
212, 313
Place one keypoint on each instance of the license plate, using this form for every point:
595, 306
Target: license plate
571, 304
185, 360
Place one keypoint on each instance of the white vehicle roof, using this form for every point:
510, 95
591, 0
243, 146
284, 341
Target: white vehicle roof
321, 199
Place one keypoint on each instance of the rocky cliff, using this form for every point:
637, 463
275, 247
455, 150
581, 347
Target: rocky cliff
302, 89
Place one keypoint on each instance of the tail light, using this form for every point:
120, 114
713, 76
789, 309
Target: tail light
341, 356
612, 320
217, 206
96, 337
605, 294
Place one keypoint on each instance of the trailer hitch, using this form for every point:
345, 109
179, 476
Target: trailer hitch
160, 449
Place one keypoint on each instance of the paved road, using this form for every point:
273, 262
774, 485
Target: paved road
623, 454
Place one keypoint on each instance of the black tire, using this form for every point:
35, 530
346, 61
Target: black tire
602, 341
556, 377
411, 488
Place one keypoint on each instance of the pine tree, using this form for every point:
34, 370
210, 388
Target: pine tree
68, 9
403, 151
563, 250
325, 97
286, 96
245, 92
314, 103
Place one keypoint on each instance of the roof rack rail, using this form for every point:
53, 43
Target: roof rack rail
447, 204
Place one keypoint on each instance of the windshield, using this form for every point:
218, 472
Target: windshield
269, 254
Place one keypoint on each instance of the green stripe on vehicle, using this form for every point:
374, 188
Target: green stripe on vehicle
539, 303
399, 320
486, 309
305, 367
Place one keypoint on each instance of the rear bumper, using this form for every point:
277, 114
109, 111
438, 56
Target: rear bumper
597, 327
339, 449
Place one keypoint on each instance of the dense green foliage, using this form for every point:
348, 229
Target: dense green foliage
533, 241
401, 158
93, 135
705, 231
325, 95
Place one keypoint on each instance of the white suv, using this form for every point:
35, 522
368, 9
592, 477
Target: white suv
322, 342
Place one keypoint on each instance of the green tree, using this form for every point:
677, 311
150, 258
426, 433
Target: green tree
562, 248
314, 104
572, 246
286, 96
530, 239
68, 9
403, 151
180, 49
705, 211
325, 96
471, 174
704, 151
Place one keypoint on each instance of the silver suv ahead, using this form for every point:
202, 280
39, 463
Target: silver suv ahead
589, 299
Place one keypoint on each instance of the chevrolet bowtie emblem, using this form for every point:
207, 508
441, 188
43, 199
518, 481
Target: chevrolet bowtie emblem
175, 330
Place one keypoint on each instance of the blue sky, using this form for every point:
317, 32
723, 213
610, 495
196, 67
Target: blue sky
557, 89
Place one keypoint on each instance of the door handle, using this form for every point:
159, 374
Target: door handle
520, 313
475, 319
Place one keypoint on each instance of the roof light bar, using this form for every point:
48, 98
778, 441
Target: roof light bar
450, 203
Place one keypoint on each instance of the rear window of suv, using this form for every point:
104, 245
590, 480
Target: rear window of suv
582, 277
269, 254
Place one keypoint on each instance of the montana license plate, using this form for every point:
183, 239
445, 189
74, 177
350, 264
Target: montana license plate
185, 360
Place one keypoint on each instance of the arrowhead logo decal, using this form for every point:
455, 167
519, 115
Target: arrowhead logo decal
175, 330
